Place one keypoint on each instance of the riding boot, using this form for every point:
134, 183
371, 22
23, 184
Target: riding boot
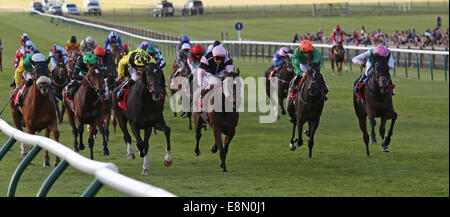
22, 97
125, 86
392, 86
361, 79
291, 91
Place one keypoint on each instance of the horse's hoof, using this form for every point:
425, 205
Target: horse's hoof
167, 163
214, 149
306, 132
373, 142
197, 153
131, 157
23, 155
292, 147
145, 172
46, 164
105, 152
384, 149
81, 146
283, 112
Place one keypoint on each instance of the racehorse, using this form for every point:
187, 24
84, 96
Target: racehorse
59, 81
307, 106
375, 101
337, 56
71, 63
285, 75
111, 84
38, 109
87, 108
220, 121
175, 85
142, 106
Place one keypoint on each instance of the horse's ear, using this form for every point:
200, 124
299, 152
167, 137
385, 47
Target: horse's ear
47, 61
238, 72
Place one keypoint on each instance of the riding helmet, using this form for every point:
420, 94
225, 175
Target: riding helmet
89, 57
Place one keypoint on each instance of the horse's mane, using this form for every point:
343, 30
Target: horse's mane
381, 64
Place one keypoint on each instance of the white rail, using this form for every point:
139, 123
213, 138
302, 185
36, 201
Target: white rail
107, 173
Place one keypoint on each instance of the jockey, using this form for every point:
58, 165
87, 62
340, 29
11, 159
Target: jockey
143, 46
104, 59
156, 54
125, 49
24, 39
184, 40
212, 65
113, 38
81, 68
182, 55
337, 36
72, 47
136, 61
303, 54
24, 69
88, 45
28, 48
278, 58
57, 53
194, 57
379, 50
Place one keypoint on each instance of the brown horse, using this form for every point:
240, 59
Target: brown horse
71, 63
38, 109
144, 110
59, 81
111, 84
87, 108
176, 79
337, 56
285, 75
223, 121
307, 107
376, 101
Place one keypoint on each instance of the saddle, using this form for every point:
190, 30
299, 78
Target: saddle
292, 94
271, 73
123, 103
20, 97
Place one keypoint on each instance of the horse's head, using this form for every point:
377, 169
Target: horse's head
315, 86
42, 78
381, 74
60, 72
95, 79
236, 86
339, 49
153, 79
287, 70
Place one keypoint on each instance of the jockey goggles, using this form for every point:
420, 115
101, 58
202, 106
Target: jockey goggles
219, 58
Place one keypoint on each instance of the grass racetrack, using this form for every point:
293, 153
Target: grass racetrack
259, 160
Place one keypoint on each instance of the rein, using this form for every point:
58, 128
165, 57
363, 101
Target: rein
304, 101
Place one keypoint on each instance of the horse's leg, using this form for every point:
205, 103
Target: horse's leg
147, 134
339, 65
312, 130
80, 133
92, 132
387, 140
190, 120
218, 140
293, 139
166, 129
63, 110
54, 129
228, 139
58, 113
198, 133
173, 102
17, 117
300, 123
126, 135
280, 102
382, 127
102, 128
372, 134
46, 157
139, 142
70, 119
106, 122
